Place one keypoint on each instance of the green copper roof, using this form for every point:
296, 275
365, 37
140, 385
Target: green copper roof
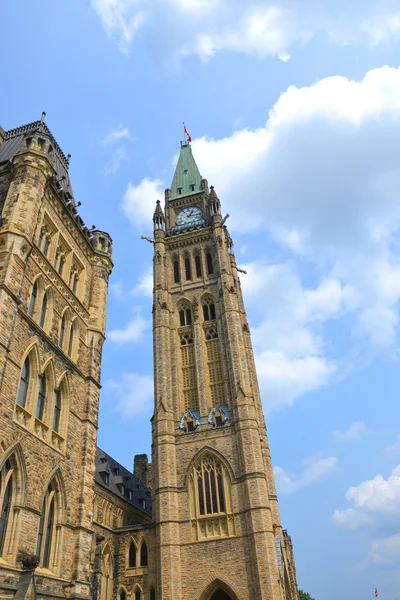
187, 178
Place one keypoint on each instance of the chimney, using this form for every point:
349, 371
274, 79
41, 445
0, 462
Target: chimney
141, 468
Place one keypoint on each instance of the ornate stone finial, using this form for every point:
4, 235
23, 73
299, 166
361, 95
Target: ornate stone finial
158, 217
43, 116
214, 203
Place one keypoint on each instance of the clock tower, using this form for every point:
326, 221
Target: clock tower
218, 529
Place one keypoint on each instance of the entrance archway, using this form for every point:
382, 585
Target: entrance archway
220, 595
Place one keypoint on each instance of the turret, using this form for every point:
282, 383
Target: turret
101, 242
158, 217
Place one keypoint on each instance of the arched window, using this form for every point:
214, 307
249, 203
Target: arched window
143, 555
41, 400
210, 497
24, 383
6, 498
185, 316
32, 302
57, 411
71, 340
214, 366
189, 381
209, 310
138, 595
188, 269
132, 556
43, 310
152, 594
177, 274
47, 525
210, 266
107, 575
197, 260
62, 330
122, 594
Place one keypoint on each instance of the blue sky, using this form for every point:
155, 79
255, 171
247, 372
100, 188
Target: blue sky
294, 109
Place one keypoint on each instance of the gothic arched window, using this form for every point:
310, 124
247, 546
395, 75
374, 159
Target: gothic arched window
41, 399
62, 330
132, 556
197, 262
138, 595
57, 411
107, 575
75, 284
24, 383
143, 555
6, 498
32, 301
177, 274
188, 269
152, 594
47, 524
209, 310
210, 266
122, 594
185, 315
43, 311
210, 497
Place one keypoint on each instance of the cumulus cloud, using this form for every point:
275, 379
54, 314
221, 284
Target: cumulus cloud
144, 287
132, 393
119, 156
259, 28
322, 177
132, 333
139, 201
115, 135
374, 502
385, 551
353, 432
314, 470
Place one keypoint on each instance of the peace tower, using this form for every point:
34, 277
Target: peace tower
215, 508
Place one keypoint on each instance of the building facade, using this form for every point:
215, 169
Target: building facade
202, 521
53, 298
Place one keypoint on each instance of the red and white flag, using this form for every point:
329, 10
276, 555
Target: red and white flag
376, 593
185, 131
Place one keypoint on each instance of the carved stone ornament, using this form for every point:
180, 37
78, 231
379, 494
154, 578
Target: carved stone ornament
29, 561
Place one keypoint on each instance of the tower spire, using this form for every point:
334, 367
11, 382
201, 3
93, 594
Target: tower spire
187, 178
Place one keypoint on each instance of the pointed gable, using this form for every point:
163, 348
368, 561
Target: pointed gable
187, 178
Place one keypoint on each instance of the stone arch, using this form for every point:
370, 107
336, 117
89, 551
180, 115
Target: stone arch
48, 372
48, 292
122, 593
25, 400
12, 497
74, 338
131, 556
62, 386
107, 573
198, 457
38, 287
218, 590
53, 509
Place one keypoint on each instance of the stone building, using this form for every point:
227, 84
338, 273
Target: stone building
202, 521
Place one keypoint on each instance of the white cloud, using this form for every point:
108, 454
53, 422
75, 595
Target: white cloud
133, 393
115, 135
374, 502
322, 176
177, 28
139, 201
385, 550
121, 19
144, 287
392, 449
314, 470
353, 432
116, 289
119, 156
132, 333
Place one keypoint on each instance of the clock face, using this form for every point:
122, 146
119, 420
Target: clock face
190, 214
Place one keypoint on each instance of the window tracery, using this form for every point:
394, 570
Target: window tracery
210, 498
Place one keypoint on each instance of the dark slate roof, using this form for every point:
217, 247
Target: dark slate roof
14, 142
118, 475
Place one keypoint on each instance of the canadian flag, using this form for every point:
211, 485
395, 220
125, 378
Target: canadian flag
376, 593
185, 131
